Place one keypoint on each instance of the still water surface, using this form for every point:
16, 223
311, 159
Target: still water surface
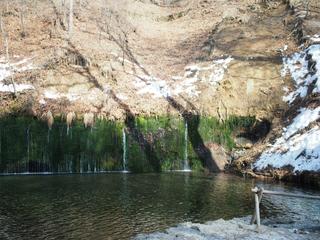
119, 206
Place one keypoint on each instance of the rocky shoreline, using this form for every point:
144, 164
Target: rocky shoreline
237, 228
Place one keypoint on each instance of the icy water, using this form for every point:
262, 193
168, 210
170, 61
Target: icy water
119, 206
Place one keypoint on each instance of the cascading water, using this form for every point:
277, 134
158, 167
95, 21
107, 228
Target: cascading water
28, 150
0, 146
48, 135
28, 146
186, 166
124, 143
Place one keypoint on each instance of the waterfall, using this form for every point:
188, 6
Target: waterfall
28, 150
48, 135
0, 146
69, 131
186, 166
124, 143
88, 167
70, 165
80, 163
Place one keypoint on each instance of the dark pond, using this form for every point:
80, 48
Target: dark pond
119, 206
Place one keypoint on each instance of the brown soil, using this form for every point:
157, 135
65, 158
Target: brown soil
113, 44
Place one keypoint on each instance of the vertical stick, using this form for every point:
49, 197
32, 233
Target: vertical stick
8, 61
254, 216
6, 43
7, 48
1, 24
23, 32
7, 6
70, 18
2, 31
64, 9
256, 198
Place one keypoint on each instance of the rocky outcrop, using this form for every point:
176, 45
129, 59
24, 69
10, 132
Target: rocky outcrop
218, 155
224, 64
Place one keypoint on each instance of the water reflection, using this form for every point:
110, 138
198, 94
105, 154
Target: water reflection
118, 206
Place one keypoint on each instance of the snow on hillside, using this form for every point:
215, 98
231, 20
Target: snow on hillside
186, 84
7, 70
301, 151
304, 68
299, 145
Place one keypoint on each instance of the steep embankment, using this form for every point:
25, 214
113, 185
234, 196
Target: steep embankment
292, 150
127, 58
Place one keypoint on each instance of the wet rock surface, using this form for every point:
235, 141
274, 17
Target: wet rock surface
231, 229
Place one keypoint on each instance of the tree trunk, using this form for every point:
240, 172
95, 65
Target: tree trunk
7, 6
8, 61
70, 18
6, 45
64, 10
23, 28
1, 27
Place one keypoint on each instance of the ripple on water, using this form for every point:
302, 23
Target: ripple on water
117, 206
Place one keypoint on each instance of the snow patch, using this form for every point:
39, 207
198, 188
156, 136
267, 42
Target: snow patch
17, 87
293, 148
298, 65
299, 150
42, 102
186, 84
152, 85
315, 39
53, 94
302, 152
302, 121
8, 70
50, 94
219, 68
121, 96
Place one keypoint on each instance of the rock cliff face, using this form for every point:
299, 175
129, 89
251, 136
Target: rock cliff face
129, 57
292, 149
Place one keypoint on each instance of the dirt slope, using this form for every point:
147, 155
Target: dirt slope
136, 57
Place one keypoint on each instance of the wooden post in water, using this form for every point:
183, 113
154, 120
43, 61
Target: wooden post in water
258, 196
257, 199
257, 193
